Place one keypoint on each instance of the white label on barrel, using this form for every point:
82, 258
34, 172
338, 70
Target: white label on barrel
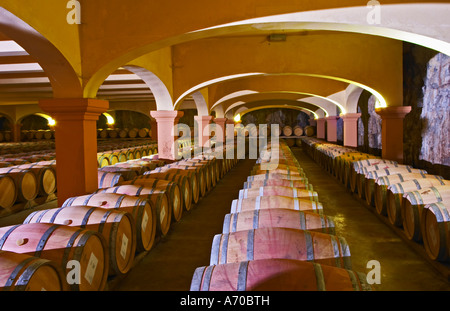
90, 269
123, 249
144, 221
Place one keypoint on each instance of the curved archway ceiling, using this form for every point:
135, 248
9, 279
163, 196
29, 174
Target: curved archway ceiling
25, 82
279, 103
290, 98
278, 106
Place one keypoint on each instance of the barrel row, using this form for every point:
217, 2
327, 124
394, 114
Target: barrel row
277, 238
37, 135
123, 133
410, 199
101, 233
21, 184
5, 136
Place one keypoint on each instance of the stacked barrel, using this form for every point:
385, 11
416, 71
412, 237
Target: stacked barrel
276, 237
407, 198
97, 236
123, 133
23, 183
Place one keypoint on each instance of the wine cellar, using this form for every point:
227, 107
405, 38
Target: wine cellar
238, 146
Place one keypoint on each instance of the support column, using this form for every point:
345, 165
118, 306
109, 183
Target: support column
16, 132
392, 131
332, 128
203, 130
76, 144
153, 129
221, 124
321, 122
351, 129
166, 121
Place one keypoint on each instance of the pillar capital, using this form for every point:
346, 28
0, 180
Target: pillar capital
168, 115
393, 112
74, 108
350, 116
332, 118
392, 131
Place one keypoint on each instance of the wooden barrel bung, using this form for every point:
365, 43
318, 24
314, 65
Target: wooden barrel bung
117, 227
62, 244
277, 275
21, 272
280, 218
259, 202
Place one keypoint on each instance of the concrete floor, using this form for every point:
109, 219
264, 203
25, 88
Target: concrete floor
169, 266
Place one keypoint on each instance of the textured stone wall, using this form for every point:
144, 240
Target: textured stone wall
427, 126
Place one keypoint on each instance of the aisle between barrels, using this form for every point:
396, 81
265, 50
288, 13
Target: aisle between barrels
402, 269
170, 265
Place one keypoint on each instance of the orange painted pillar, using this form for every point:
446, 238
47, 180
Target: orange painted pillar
166, 121
203, 130
321, 125
153, 129
351, 129
76, 144
392, 131
332, 128
220, 132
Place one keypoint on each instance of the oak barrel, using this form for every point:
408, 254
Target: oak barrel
182, 181
278, 182
259, 202
117, 227
396, 191
21, 272
46, 177
157, 201
277, 275
435, 227
278, 191
108, 180
62, 244
280, 243
146, 187
8, 195
382, 184
413, 204
298, 130
26, 183
280, 218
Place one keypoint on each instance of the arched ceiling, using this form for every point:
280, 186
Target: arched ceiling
330, 47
